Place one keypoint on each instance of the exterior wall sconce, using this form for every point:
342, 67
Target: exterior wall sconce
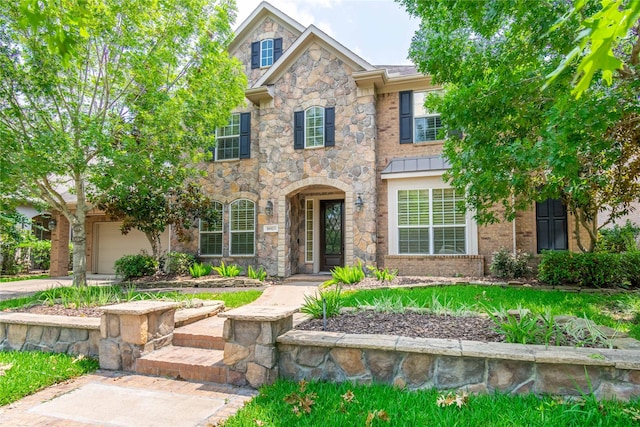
52, 224
359, 203
269, 208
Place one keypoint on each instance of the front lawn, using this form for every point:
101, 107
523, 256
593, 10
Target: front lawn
620, 310
325, 404
24, 373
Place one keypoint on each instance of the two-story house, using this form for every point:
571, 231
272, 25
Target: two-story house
335, 161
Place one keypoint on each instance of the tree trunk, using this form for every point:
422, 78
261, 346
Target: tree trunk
79, 251
156, 245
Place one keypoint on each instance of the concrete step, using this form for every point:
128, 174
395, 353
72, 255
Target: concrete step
202, 310
192, 364
206, 333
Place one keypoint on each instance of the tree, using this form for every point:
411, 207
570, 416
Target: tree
154, 204
520, 144
142, 89
598, 35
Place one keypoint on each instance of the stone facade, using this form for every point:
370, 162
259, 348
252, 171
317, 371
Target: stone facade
57, 334
478, 367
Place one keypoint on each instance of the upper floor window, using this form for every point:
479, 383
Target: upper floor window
211, 232
242, 227
233, 141
228, 139
314, 127
265, 52
417, 124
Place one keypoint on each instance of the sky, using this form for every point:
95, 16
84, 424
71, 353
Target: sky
379, 31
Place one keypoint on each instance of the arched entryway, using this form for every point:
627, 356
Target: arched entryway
316, 230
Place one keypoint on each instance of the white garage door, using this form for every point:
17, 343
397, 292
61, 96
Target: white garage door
110, 244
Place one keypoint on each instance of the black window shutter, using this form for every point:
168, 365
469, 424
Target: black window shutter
329, 127
255, 55
406, 117
245, 135
277, 48
298, 130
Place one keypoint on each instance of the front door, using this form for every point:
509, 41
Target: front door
331, 234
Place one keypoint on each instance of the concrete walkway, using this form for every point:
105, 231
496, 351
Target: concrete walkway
21, 288
109, 398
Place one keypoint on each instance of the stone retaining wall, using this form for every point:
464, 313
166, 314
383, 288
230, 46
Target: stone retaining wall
58, 334
417, 363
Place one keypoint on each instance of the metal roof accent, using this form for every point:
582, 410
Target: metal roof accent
416, 164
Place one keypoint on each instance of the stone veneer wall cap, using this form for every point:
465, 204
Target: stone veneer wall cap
581, 356
49, 320
438, 346
139, 307
369, 341
311, 338
259, 313
495, 350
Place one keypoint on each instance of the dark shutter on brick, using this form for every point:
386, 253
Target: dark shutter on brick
245, 135
298, 130
277, 48
255, 55
406, 117
551, 225
329, 127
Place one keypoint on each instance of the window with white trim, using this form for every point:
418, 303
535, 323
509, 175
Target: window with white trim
429, 223
242, 227
426, 125
211, 232
266, 52
228, 139
314, 127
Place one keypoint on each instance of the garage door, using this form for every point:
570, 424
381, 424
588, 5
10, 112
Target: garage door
111, 244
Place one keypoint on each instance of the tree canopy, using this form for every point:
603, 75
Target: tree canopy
142, 89
520, 143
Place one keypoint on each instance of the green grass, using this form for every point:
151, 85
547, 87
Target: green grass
32, 371
388, 406
603, 309
18, 278
90, 296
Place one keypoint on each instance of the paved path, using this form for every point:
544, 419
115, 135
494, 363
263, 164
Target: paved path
111, 398
21, 288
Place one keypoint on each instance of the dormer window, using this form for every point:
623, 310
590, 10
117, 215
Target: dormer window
265, 52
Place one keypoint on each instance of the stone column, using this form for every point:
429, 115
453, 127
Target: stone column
250, 334
130, 330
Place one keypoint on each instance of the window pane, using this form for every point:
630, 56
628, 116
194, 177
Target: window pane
242, 227
413, 241
427, 128
228, 139
445, 212
314, 127
413, 207
266, 53
449, 240
309, 231
418, 104
211, 231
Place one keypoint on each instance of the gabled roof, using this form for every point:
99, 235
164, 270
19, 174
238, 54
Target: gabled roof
261, 12
312, 34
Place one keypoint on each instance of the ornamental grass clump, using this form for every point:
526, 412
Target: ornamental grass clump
327, 303
227, 270
200, 269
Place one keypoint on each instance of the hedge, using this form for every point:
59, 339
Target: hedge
594, 270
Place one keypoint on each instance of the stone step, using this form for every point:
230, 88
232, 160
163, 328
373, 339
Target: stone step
206, 333
203, 310
192, 364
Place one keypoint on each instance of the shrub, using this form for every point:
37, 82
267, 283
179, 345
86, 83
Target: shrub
348, 274
618, 239
199, 270
140, 265
383, 275
258, 274
178, 263
506, 265
597, 269
41, 254
227, 271
331, 301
